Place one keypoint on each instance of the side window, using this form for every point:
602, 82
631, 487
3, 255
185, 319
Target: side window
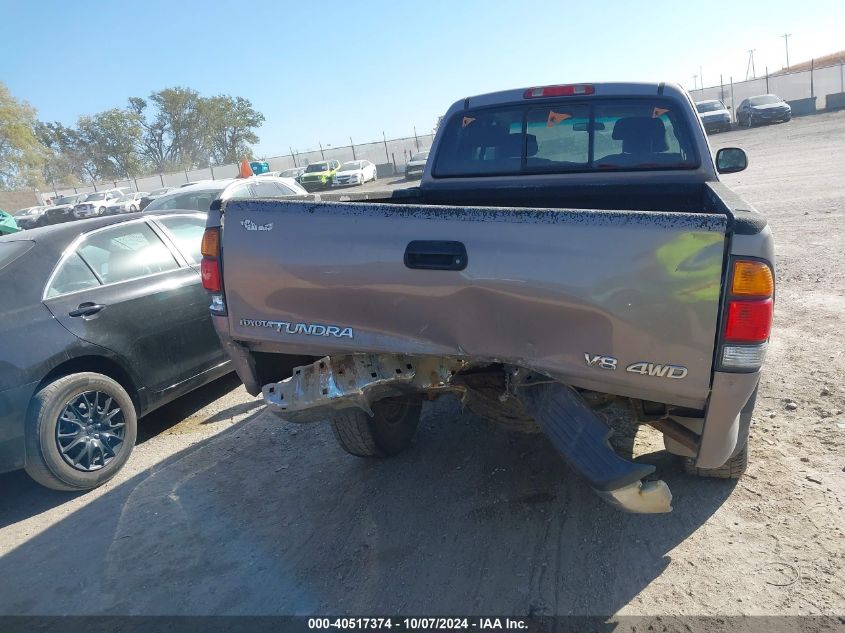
127, 251
73, 276
187, 234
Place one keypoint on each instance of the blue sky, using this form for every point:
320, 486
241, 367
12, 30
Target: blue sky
324, 71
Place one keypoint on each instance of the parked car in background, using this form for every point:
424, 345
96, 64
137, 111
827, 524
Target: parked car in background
156, 193
355, 172
415, 166
293, 172
94, 343
200, 196
129, 203
762, 109
31, 217
714, 115
319, 175
62, 209
95, 203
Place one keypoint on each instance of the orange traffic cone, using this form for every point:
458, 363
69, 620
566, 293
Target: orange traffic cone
245, 171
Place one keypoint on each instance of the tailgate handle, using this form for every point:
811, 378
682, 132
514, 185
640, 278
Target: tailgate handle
436, 255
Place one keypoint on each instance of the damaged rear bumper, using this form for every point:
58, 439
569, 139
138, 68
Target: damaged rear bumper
315, 391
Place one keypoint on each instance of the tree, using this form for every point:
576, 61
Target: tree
229, 123
20, 153
111, 141
173, 134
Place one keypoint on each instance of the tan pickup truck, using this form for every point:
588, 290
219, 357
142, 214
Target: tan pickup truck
568, 247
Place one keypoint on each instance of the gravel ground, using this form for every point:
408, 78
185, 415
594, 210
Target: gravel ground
224, 510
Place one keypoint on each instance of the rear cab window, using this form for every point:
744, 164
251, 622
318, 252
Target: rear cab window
566, 136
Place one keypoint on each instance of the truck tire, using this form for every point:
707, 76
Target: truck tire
65, 417
390, 431
734, 468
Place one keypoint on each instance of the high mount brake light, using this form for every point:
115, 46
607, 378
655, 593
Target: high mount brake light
569, 90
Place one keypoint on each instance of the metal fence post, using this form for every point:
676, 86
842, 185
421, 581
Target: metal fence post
394, 164
767, 80
292, 156
386, 155
321, 150
733, 106
353, 149
812, 66
416, 140
211, 167
841, 76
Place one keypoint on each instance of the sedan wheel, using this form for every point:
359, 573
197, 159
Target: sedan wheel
133, 209
80, 431
101, 211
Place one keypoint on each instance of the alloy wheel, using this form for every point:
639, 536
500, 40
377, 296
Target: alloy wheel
90, 431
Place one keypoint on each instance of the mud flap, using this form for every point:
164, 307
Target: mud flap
581, 437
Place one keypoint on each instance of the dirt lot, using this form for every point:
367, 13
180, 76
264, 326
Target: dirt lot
224, 510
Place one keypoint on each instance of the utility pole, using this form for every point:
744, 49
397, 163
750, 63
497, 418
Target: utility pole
750, 65
701, 76
695, 82
785, 37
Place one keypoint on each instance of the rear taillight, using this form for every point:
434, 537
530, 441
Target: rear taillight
748, 321
212, 280
748, 315
569, 90
210, 270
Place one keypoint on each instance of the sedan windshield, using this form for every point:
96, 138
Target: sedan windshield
95, 196
124, 198
316, 167
419, 156
764, 100
709, 106
291, 173
354, 165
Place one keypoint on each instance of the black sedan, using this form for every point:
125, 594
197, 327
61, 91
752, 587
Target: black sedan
762, 109
104, 321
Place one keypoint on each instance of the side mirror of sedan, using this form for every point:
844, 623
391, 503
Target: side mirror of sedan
730, 160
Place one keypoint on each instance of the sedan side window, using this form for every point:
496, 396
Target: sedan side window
187, 234
127, 251
73, 276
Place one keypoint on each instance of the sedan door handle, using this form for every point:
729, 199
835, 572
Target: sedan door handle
86, 309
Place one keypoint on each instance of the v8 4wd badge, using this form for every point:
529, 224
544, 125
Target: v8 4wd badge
643, 368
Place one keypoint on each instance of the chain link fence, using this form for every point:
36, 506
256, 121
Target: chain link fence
389, 155
806, 91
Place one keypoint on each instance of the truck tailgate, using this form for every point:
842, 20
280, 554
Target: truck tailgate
624, 302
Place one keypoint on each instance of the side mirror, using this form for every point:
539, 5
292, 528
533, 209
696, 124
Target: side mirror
730, 160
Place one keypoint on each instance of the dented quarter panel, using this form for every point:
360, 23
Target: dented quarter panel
541, 288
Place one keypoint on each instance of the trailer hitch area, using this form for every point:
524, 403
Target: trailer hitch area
581, 437
357, 380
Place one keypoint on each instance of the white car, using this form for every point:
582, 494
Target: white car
95, 204
199, 197
355, 172
129, 203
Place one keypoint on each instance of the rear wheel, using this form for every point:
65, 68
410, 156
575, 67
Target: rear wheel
734, 468
101, 211
390, 431
132, 208
80, 430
